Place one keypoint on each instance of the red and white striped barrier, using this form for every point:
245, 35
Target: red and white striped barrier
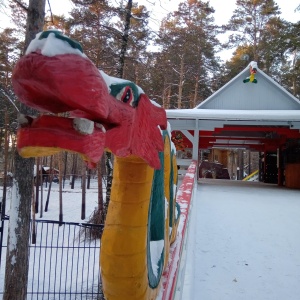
173, 276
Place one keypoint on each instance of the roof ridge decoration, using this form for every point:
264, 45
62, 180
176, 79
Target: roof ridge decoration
253, 69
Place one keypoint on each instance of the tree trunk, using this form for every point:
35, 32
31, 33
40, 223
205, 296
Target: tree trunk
16, 272
125, 36
83, 190
50, 177
167, 97
61, 214
108, 155
88, 186
37, 183
196, 92
109, 174
74, 171
240, 164
3, 202
181, 82
100, 189
136, 74
65, 168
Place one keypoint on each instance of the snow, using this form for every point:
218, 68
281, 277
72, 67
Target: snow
72, 213
156, 249
243, 242
173, 148
109, 80
243, 239
14, 218
51, 46
166, 207
223, 114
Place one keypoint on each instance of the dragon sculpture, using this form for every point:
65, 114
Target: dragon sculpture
84, 110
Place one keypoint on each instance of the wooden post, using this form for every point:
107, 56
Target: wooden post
3, 202
33, 232
37, 184
60, 188
50, 182
5, 161
100, 188
195, 155
83, 189
41, 185
65, 168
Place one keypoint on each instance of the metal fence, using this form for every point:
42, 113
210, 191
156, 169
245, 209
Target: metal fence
63, 263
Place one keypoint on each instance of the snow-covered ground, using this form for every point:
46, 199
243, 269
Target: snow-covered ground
243, 242
60, 260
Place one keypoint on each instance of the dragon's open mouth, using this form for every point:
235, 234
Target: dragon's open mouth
48, 135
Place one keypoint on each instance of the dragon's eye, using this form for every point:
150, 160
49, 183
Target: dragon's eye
126, 95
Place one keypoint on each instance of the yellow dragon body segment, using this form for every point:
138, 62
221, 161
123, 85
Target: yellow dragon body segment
139, 215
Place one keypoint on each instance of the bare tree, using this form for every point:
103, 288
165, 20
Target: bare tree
120, 71
16, 272
125, 37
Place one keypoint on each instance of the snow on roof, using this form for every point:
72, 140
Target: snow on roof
245, 115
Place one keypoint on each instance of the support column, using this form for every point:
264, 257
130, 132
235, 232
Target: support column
196, 146
279, 167
196, 141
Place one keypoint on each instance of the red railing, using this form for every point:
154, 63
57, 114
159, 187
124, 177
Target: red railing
184, 198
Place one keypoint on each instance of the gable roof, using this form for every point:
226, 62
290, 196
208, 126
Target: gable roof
266, 94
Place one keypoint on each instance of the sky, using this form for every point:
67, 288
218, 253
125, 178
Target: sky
223, 9
159, 9
223, 12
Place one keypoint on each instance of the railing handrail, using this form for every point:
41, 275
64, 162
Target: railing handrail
251, 175
171, 278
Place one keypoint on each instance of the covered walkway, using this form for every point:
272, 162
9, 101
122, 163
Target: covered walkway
243, 242
261, 117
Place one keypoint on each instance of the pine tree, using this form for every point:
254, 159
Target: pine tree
187, 38
90, 24
290, 67
9, 53
249, 22
19, 11
261, 35
136, 50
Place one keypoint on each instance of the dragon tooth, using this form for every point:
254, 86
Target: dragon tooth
84, 126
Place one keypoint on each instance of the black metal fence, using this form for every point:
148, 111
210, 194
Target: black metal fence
63, 263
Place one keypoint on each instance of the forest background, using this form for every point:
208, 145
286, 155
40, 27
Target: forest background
177, 63
177, 66
174, 59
